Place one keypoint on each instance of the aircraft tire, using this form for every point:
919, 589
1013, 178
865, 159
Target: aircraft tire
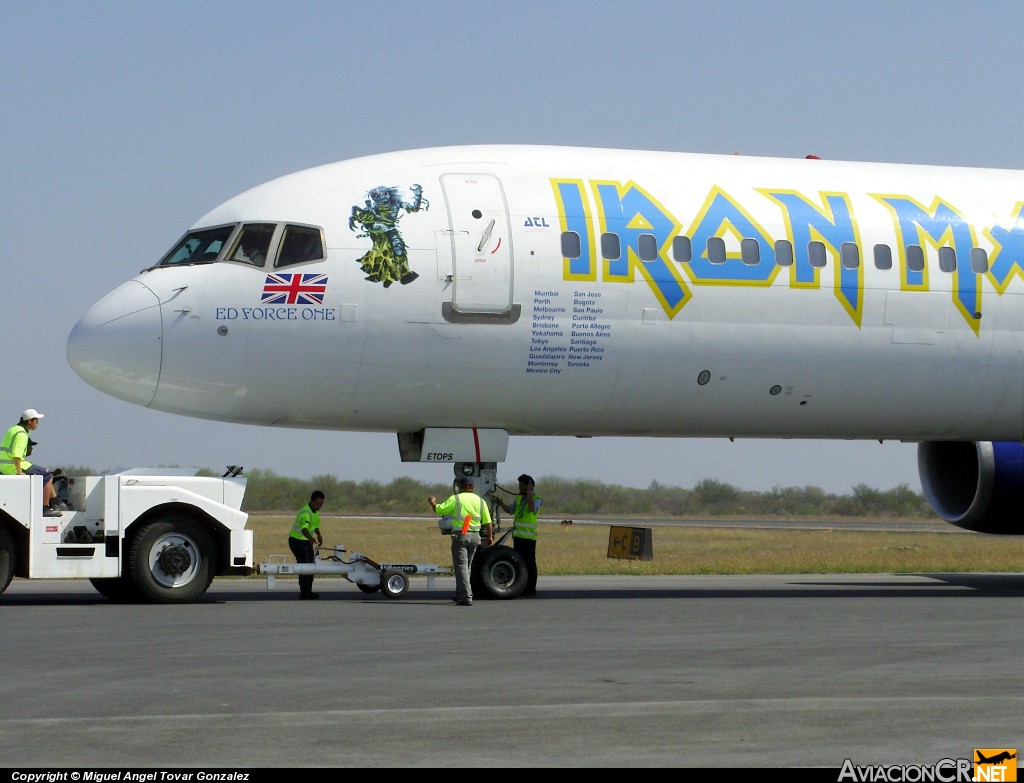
8, 558
368, 588
171, 560
394, 584
498, 572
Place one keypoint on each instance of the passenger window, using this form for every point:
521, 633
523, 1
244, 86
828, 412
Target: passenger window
611, 248
750, 251
647, 247
253, 243
300, 244
816, 254
883, 257
979, 260
571, 247
849, 255
783, 252
947, 259
915, 258
716, 250
682, 251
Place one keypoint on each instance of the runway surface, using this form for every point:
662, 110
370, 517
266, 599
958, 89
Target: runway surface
709, 671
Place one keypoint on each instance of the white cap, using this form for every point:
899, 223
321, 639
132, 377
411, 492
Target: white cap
31, 413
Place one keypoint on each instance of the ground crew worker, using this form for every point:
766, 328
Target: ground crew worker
304, 533
14, 451
471, 518
524, 529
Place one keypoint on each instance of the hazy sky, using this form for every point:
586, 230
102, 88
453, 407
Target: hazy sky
124, 122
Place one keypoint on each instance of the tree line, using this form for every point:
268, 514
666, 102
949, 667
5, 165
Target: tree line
268, 492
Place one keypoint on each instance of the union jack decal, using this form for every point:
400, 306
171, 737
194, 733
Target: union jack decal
303, 289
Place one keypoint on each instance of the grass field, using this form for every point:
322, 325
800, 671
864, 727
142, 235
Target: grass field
583, 549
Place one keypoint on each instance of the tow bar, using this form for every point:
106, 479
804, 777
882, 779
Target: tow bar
391, 579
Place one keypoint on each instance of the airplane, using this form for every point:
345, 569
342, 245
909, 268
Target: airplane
458, 296
999, 758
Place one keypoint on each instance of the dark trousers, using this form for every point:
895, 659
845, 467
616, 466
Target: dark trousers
528, 549
302, 548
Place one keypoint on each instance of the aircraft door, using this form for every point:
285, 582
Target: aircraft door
480, 246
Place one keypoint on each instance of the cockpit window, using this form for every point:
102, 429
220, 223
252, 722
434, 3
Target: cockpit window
300, 244
253, 243
198, 247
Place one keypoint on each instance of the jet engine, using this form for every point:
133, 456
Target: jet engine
976, 486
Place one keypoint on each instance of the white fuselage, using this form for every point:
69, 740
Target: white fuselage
505, 327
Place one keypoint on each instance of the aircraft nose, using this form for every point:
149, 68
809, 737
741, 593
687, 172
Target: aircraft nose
116, 345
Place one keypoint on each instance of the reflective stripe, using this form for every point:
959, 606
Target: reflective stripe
458, 506
473, 525
525, 520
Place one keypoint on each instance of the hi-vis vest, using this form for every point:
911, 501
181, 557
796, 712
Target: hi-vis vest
466, 504
306, 519
525, 520
7, 451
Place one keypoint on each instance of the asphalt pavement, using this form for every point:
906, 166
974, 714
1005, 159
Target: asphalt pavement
675, 671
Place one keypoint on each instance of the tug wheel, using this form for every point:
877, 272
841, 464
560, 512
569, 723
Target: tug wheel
171, 560
394, 584
8, 558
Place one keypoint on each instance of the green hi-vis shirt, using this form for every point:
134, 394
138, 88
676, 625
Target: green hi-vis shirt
525, 520
464, 504
306, 519
15, 444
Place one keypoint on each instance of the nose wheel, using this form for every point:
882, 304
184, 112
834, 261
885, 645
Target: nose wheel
498, 572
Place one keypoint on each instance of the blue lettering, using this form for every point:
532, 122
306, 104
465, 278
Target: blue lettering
1007, 259
630, 212
832, 224
318, 314
574, 212
647, 230
939, 226
721, 217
